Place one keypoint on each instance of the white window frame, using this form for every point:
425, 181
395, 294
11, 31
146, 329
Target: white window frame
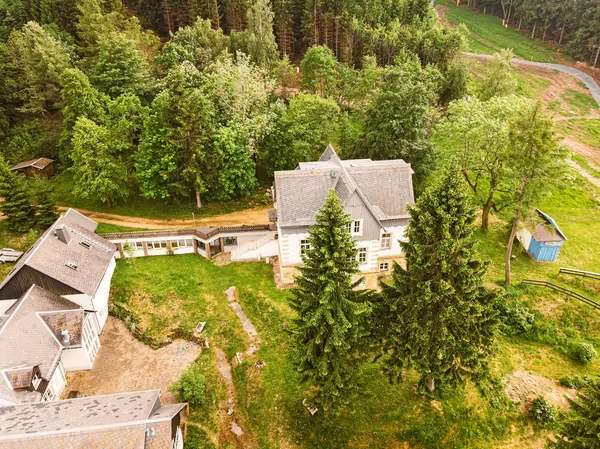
348, 227
230, 241
304, 246
139, 246
174, 244
36, 381
357, 224
384, 266
91, 342
386, 240
361, 252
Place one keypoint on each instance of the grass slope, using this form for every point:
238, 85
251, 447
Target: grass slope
181, 290
488, 35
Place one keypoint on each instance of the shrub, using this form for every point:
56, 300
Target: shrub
514, 318
191, 387
584, 352
542, 411
574, 382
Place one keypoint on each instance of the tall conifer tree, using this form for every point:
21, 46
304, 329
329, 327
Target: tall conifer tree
437, 316
329, 329
16, 204
580, 427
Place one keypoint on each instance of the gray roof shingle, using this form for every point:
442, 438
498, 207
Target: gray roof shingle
28, 339
385, 187
49, 255
115, 420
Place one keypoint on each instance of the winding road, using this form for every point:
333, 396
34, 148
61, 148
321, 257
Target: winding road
586, 79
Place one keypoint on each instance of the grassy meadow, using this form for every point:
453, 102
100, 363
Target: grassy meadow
488, 35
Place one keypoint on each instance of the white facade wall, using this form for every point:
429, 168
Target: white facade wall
75, 359
398, 233
524, 236
57, 384
100, 299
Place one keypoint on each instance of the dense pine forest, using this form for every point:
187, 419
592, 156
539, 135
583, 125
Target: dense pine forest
188, 101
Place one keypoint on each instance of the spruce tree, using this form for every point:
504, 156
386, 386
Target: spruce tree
437, 316
46, 211
329, 330
580, 427
16, 204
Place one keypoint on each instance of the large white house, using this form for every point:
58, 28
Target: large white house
69, 260
374, 193
43, 335
53, 306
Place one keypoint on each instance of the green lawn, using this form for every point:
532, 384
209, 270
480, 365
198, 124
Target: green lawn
489, 29
107, 228
138, 206
170, 291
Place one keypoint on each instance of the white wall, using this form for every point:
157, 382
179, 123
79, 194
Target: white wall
524, 236
75, 359
398, 233
100, 299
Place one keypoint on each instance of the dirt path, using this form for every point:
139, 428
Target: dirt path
592, 179
122, 360
244, 217
588, 152
230, 430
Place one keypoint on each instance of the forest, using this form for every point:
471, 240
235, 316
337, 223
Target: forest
575, 23
196, 101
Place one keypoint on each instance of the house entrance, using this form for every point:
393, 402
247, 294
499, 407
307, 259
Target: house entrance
215, 248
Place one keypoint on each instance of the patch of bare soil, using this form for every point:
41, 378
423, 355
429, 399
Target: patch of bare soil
441, 12
126, 364
244, 217
586, 151
523, 387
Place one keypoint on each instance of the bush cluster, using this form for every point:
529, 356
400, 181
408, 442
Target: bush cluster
584, 352
514, 318
191, 387
542, 411
574, 382
517, 321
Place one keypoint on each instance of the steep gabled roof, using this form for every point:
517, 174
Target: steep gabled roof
70, 253
30, 337
39, 163
123, 420
385, 187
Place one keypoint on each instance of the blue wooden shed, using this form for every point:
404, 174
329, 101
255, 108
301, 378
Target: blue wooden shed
543, 243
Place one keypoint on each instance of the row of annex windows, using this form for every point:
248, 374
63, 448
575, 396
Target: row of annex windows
183, 243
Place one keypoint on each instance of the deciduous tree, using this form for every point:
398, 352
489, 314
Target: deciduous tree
538, 165
262, 46
98, 171
477, 133
499, 78
175, 156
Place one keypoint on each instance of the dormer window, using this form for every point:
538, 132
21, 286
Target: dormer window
35, 381
85, 244
72, 264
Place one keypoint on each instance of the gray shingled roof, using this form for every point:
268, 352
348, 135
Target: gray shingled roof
49, 255
385, 187
28, 338
115, 420
39, 163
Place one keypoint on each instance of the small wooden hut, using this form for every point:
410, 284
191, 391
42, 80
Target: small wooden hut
543, 243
